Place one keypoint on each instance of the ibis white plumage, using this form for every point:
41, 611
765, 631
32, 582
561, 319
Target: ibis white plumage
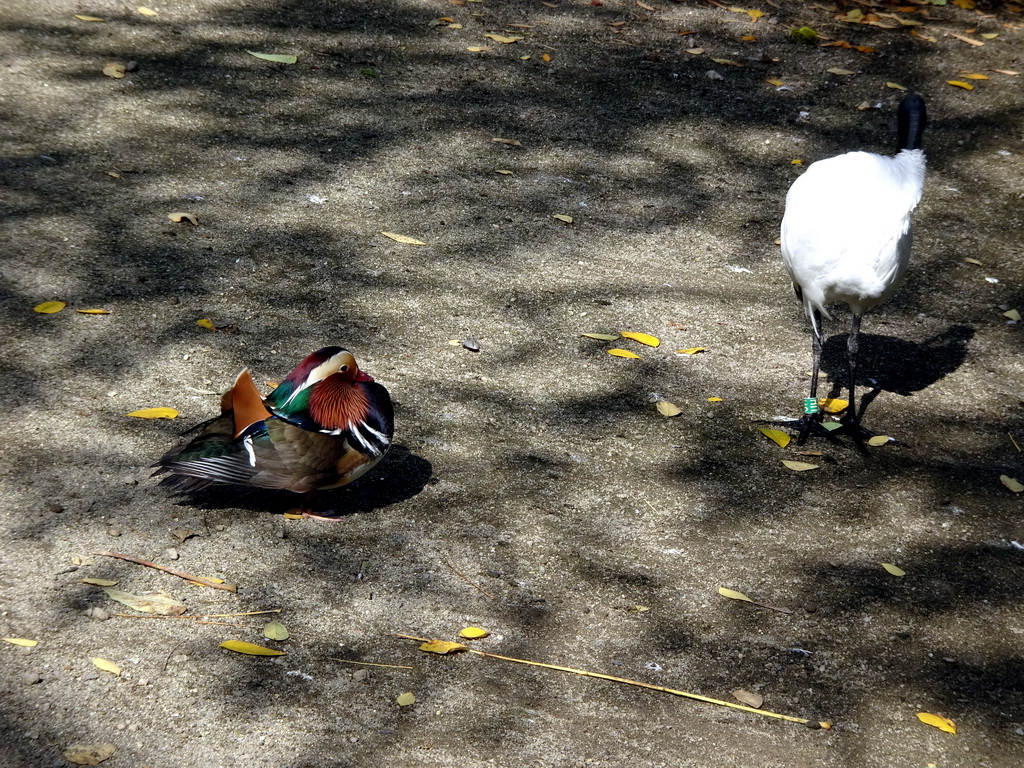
846, 237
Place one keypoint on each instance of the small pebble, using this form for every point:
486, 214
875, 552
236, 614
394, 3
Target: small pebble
171, 553
97, 614
360, 674
90, 675
31, 678
55, 508
115, 532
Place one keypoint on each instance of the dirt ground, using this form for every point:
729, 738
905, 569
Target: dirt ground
534, 489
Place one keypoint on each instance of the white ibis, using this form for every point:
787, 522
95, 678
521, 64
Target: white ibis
846, 238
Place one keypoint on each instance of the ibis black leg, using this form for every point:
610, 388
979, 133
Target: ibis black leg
851, 421
810, 421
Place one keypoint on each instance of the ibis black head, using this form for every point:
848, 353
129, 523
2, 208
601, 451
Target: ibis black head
911, 118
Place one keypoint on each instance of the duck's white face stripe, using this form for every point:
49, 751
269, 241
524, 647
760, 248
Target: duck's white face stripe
330, 366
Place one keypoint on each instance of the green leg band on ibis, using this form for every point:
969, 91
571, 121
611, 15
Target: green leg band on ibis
811, 405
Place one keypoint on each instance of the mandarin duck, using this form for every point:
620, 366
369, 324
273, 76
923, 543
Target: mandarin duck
846, 237
325, 425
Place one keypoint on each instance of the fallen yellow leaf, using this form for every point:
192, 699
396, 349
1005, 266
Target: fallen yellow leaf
442, 647
960, 84
833, 404
665, 408
473, 633
250, 649
695, 51
98, 582
623, 353
158, 603
973, 76
800, 466
154, 413
643, 338
777, 436
406, 699
877, 440
990, 35
732, 594
107, 666
93, 311
728, 62
601, 336
403, 238
774, 81
691, 350
897, 86
546, 57
937, 721
21, 641
49, 307
508, 142
207, 323
147, 11
562, 217
293, 516
975, 262
479, 48
840, 71
88, 18
180, 216
1013, 314
895, 570
755, 14
715, 400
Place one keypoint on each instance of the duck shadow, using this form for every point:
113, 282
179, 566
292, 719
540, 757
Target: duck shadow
400, 476
889, 364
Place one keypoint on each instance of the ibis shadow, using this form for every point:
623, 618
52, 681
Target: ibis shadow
889, 364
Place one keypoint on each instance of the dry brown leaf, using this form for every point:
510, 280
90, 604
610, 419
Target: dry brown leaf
158, 603
800, 466
508, 142
502, 39
965, 39
107, 666
732, 594
99, 582
1011, 483
89, 754
403, 238
728, 62
665, 408
744, 696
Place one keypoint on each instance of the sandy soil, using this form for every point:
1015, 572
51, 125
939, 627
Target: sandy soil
534, 490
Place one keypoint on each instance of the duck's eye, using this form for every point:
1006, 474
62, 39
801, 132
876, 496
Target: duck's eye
343, 368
